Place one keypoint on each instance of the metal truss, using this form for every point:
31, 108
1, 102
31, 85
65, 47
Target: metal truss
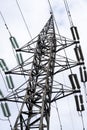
47, 58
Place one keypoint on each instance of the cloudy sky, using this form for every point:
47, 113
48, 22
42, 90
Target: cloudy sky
36, 13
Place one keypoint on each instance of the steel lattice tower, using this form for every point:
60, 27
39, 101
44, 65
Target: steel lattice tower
36, 98
38, 95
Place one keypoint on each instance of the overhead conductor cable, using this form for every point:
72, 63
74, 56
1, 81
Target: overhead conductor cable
73, 28
68, 13
24, 19
5, 23
58, 115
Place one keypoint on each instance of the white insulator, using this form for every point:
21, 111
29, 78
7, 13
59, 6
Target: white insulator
9, 82
85, 75
75, 33
81, 98
82, 107
5, 110
77, 102
19, 58
79, 54
14, 42
81, 102
1, 94
3, 65
74, 81
81, 74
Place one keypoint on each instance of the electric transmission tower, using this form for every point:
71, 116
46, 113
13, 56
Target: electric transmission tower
36, 101
47, 57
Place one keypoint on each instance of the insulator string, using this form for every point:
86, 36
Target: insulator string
7, 88
69, 108
9, 33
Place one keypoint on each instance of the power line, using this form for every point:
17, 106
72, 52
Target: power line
23, 19
82, 121
5, 23
3, 119
68, 12
58, 115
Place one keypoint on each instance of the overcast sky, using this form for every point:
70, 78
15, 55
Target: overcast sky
36, 13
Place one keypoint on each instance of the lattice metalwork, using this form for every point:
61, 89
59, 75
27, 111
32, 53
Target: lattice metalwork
47, 57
